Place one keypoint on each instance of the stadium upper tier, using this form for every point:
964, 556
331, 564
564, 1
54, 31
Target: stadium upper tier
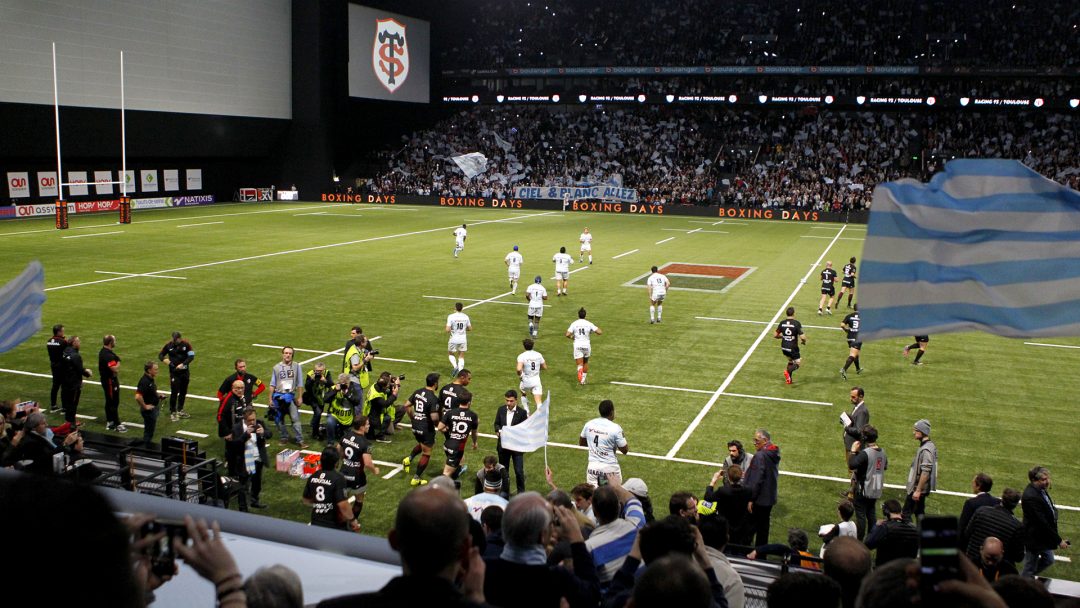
807, 158
573, 33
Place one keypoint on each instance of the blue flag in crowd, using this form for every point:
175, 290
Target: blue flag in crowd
20, 306
530, 435
987, 245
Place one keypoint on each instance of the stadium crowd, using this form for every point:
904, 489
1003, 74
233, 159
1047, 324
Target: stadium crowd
797, 159
550, 33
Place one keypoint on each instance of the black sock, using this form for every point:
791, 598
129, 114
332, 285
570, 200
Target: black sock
847, 363
456, 472
423, 465
912, 346
919, 355
856, 360
357, 507
416, 450
849, 300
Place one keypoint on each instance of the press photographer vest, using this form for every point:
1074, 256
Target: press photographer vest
875, 473
341, 409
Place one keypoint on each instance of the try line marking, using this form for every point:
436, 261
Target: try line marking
202, 224
626, 253
746, 357
766, 323
1050, 345
83, 236
277, 253
707, 463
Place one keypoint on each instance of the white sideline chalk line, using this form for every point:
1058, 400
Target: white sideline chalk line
491, 299
766, 323
477, 300
626, 253
571, 446
277, 253
83, 236
664, 241
694, 390
807, 236
135, 274
192, 434
323, 353
571, 272
200, 224
746, 357
1050, 345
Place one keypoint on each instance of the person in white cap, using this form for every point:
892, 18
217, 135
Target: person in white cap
922, 477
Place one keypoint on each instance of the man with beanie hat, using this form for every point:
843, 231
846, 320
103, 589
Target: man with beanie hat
922, 477
493, 485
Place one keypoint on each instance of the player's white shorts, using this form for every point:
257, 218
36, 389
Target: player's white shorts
582, 352
460, 243
514, 274
658, 297
597, 470
562, 276
457, 344
537, 311
586, 246
531, 385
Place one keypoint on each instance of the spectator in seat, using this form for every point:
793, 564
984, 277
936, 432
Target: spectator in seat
847, 561
714, 533
894, 537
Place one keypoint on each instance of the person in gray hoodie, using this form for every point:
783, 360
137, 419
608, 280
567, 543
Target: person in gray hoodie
922, 477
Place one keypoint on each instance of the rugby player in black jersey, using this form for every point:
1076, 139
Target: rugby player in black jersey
458, 423
423, 411
355, 450
790, 334
850, 324
325, 494
828, 288
847, 282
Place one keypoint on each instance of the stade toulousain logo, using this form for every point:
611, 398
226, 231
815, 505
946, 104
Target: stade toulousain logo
390, 54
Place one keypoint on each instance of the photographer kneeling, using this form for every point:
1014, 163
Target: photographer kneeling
341, 400
378, 406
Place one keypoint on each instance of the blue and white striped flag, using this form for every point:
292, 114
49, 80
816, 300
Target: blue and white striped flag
471, 164
20, 306
530, 435
987, 245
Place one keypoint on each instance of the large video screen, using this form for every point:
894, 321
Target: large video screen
389, 55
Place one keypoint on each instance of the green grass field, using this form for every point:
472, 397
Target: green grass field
302, 274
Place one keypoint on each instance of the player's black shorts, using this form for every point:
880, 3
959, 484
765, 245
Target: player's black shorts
828, 291
848, 282
356, 483
454, 456
424, 436
855, 343
922, 338
791, 353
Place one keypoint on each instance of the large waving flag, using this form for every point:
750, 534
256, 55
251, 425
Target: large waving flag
530, 435
471, 164
20, 306
986, 245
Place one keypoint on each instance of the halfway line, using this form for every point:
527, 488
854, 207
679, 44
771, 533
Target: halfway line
746, 357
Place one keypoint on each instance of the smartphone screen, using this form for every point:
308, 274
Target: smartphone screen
939, 554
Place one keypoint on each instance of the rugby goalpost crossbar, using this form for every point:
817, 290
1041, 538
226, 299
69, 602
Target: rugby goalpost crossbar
61, 205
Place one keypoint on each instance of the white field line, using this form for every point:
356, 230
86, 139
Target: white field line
666, 388
665, 240
200, 224
850, 227
694, 390
695, 231
310, 213
746, 357
706, 463
134, 424
393, 471
806, 236
340, 214
83, 236
135, 274
477, 300
766, 323
277, 253
192, 434
333, 352
85, 417
491, 299
1050, 345
626, 253
171, 219
323, 353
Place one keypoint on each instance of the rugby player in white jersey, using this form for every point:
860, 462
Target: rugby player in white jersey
529, 364
586, 245
602, 436
459, 239
457, 324
658, 284
535, 294
562, 270
580, 332
513, 265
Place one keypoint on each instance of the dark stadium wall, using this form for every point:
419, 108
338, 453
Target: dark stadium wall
231, 151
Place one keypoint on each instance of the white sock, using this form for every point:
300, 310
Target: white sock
453, 361
590, 258
584, 375
461, 363
652, 313
659, 311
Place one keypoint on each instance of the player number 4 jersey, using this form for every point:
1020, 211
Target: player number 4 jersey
603, 437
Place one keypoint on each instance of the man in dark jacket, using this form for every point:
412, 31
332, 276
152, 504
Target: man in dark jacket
431, 532
521, 577
74, 372
731, 499
859, 416
981, 485
511, 414
1040, 523
56, 345
251, 434
894, 537
997, 521
761, 479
